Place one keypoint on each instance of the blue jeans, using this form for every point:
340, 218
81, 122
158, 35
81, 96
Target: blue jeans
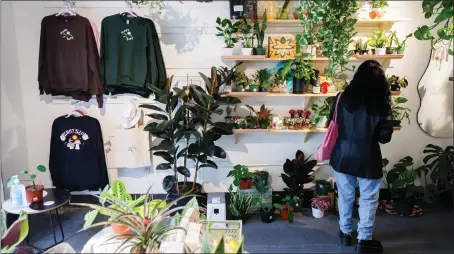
368, 202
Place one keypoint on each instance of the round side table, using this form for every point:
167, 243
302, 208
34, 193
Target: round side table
52, 200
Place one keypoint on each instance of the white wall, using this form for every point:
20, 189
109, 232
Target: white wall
187, 38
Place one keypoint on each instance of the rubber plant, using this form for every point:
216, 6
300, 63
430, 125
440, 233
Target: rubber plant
203, 105
337, 30
296, 174
443, 11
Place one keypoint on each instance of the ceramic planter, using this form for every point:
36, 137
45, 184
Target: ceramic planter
309, 49
364, 52
322, 122
260, 51
267, 216
227, 51
34, 195
317, 213
245, 184
380, 51
246, 51
253, 88
121, 229
316, 89
240, 89
299, 86
390, 51
263, 126
400, 51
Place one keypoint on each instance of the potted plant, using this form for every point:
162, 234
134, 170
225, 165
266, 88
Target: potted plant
282, 12
247, 37
292, 113
227, 76
240, 123
262, 174
400, 45
302, 75
263, 116
396, 83
34, 192
241, 176
153, 217
287, 207
251, 122
308, 39
319, 206
240, 204
227, 29
378, 9
399, 112
277, 83
262, 77
241, 81
360, 47
259, 33
378, 41
267, 213
322, 112
299, 123
439, 164
297, 173
254, 87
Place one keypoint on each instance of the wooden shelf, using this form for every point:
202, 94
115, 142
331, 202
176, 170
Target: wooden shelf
307, 132
361, 22
241, 58
267, 94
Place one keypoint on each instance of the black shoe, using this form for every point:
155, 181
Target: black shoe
346, 239
369, 246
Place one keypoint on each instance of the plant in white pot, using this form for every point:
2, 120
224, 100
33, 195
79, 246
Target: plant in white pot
227, 29
378, 41
247, 37
319, 206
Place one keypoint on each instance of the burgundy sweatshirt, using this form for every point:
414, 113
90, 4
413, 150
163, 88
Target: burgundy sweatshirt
69, 59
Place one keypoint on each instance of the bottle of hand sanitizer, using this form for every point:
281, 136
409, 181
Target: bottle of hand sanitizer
17, 193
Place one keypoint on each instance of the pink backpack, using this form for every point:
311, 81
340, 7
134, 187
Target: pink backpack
325, 150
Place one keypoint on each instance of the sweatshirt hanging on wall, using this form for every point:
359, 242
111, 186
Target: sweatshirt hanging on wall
69, 59
131, 56
77, 161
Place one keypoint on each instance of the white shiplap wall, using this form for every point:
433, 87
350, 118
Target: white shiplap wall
188, 41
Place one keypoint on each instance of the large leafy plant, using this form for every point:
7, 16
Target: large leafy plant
227, 29
322, 110
400, 112
262, 77
443, 10
226, 74
247, 35
337, 30
296, 174
439, 163
259, 32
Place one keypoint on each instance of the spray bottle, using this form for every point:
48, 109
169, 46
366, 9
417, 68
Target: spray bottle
17, 193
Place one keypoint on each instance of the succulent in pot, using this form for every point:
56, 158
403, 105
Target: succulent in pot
259, 33
34, 192
247, 37
227, 29
242, 178
378, 41
319, 206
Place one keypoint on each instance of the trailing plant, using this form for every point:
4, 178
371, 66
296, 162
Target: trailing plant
148, 229
400, 112
290, 203
320, 203
227, 29
240, 203
379, 4
31, 177
247, 35
262, 77
240, 172
337, 29
15, 234
439, 163
322, 110
378, 40
259, 32
308, 21
395, 80
226, 74
443, 11
296, 174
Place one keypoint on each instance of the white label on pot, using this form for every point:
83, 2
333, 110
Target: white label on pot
271, 217
237, 8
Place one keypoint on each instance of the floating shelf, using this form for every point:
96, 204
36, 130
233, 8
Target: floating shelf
361, 22
316, 59
307, 132
267, 94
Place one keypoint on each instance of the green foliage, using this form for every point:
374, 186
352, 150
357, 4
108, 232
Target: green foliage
15, 234
247, 35
322, 110
241, 80
227, 29
400, 112
314, 16
31, 177
438, 163
443, 11
361, 44
259, 32
394, 39
240, 203
337, 30
304, 70
296, 174
262, 77
289, 202
379, 4
226, 75
261, 180
240, 172
395, 80
378, 40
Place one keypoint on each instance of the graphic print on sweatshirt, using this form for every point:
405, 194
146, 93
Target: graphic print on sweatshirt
74, 138
66, 34
127, 35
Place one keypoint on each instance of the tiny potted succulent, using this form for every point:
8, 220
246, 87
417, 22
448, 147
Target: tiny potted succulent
378, 9
241, 176
241, 81
396, 83
259, 33
262, 77
286, 207
319, 206
34, 192
299, 122
246, 37
227, 29
378, 41
292, 113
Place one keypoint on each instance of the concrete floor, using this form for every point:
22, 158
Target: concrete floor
431, 233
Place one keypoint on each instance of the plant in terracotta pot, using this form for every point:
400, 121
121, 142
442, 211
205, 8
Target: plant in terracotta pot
227, 29
378, 9
286, 207
259, 33
399, 112
34, 192
241, 81
247, 37
319, 206
241, 176
396, 83
378, 41
262, 78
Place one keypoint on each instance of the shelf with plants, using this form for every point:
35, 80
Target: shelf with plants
255, 58
360, 22
269, 94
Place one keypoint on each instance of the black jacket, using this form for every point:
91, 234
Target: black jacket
357, 150
76, 160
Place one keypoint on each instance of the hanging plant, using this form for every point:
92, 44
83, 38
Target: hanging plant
337, 31
444, 11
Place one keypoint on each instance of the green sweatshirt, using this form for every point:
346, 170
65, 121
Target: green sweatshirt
131, 56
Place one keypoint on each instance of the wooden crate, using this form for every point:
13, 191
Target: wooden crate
266, 198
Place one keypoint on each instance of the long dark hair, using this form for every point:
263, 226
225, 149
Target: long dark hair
370, 89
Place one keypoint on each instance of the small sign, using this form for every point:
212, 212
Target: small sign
282, 46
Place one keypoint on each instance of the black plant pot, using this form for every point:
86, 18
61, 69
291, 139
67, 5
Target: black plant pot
322, 187
242, 218
357, 51
404, 209
363, 52
299, 86
263, 89
395, 88
267, 217
314, 82
228, 119
395, 123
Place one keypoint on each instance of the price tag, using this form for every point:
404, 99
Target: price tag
237, 8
